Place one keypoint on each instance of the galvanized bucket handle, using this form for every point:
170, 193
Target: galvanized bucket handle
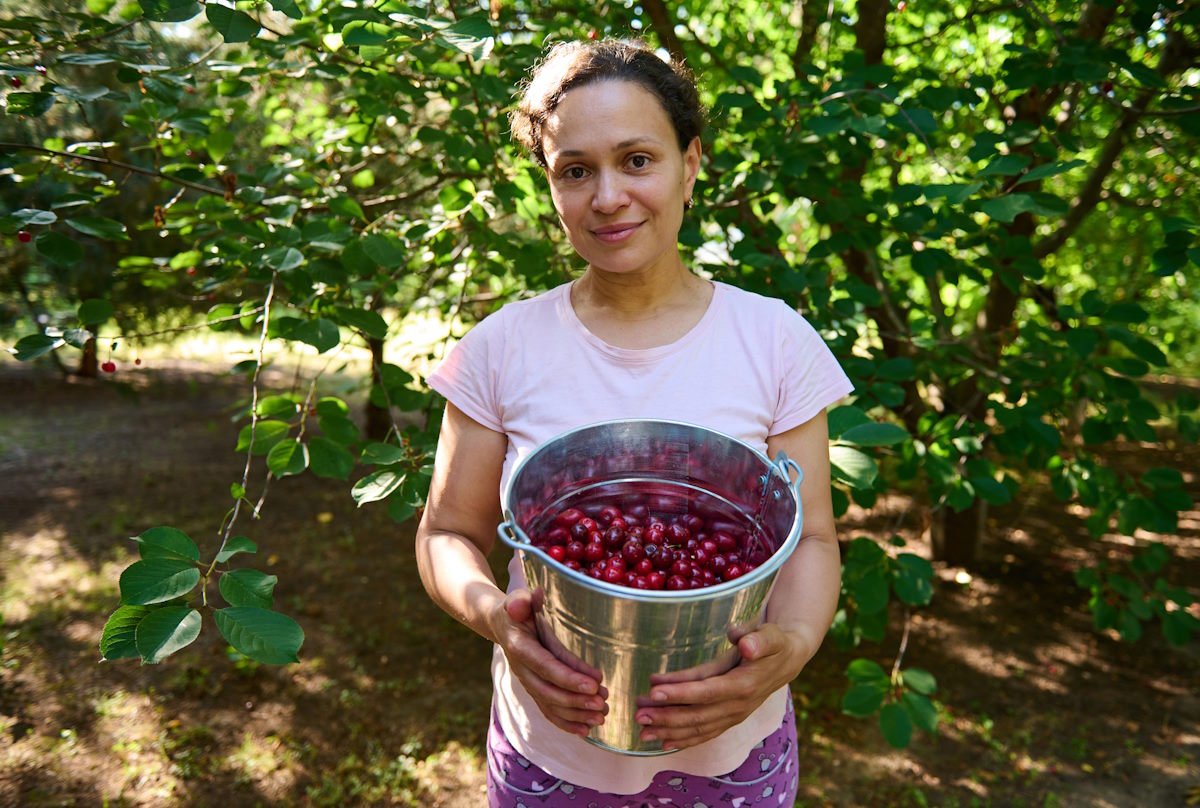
784, 465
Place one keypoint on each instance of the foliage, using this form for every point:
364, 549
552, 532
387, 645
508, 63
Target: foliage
987, 209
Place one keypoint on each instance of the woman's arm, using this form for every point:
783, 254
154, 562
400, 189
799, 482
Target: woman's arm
456, 534
799, 613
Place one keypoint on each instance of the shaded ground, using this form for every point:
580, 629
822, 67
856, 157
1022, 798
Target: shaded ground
390, 702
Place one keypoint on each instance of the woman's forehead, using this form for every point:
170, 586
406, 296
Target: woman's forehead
608, 115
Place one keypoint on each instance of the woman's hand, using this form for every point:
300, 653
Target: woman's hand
571, 699
683, 714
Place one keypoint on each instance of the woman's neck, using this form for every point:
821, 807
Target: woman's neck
638, 296
634, 311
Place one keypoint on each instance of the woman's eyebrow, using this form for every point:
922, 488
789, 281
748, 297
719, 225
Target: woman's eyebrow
624, 144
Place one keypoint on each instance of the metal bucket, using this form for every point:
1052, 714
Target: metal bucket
627, 634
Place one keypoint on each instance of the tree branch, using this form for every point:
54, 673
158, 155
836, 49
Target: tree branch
660, 21
116, 164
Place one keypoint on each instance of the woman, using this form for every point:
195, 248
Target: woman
638, 335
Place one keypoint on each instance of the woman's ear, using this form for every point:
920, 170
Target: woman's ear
691, 166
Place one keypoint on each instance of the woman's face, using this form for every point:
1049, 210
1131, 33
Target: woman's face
617, 176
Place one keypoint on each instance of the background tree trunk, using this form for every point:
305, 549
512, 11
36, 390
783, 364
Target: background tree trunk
378, 419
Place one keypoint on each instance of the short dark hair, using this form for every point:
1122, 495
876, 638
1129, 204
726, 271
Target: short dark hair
568, 65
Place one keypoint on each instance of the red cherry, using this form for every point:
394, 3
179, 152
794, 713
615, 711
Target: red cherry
191, 271
41, 69
109, 367
15, 82
137, 361
901, 6
557, 552
575, 550
592, 34
568, 517
1106, 87
24, 236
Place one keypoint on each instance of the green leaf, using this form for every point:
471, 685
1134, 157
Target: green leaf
219, 143
863, 700
265, 636
347, 206
95, 311
288, 8
382, 454
919, 680
896, 726
329, 459
248, 587
26, 217
852, 466
368, 322
281, 406
338, 429
155, 580
1126, 312
169, 10
35, 345
117, 639
32, 104
913, 579
1006, 208
332, 407
164, 631
59, 249
875, 434
100, 227
1051, 170
1178, 627
284, 259
376, 486
400, 509
287, 458
231, 24
384, 251
359, 33
236, 545
921, 710
266, 435
991, 491
167, 542
471, 35
237, 491
1005, 165
864, 671
320, 333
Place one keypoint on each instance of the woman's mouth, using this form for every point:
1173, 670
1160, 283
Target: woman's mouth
614, 233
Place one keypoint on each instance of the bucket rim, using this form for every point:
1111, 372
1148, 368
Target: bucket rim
515, 537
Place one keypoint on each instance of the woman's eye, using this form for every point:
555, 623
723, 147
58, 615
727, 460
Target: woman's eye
575, 173
639, 161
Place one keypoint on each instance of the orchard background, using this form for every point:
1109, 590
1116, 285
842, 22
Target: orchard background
234, 237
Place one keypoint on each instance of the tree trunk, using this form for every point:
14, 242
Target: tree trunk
89, 362
378, 419
957, 535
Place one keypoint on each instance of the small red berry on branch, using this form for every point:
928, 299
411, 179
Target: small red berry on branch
15, 82
41, 69
109, 367
24, 236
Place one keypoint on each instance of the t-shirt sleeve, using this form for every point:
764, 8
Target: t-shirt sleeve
469, 375
811, 378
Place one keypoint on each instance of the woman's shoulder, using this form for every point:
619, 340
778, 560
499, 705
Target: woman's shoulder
754, 308
522, 310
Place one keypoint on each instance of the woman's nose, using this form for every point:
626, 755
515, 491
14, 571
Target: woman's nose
610, 195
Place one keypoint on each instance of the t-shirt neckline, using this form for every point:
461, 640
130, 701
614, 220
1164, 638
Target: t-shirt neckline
637, 355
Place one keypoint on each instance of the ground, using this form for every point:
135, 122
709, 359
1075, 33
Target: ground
389, 703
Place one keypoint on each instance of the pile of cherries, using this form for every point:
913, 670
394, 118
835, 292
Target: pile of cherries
641, 550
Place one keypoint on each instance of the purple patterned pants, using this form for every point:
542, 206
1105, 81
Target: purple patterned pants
768, 778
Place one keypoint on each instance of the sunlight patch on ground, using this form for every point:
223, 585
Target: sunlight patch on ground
46, 571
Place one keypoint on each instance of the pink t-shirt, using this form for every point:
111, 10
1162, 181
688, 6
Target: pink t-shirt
751, 368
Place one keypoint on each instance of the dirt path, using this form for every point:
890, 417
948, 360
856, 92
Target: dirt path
389, 704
